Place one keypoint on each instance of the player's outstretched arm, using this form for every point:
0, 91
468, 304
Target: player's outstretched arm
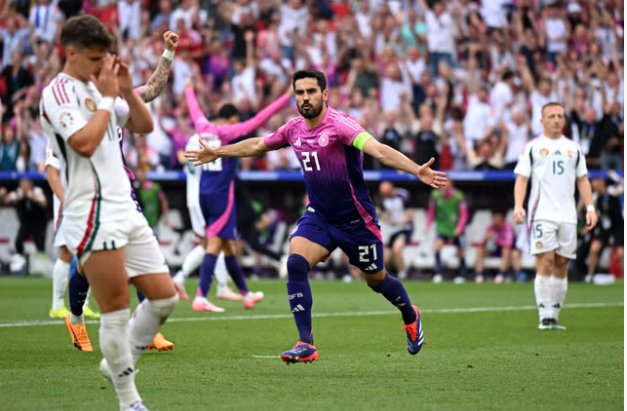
520, 190
585, 191
159, 78
395, 159
246, 148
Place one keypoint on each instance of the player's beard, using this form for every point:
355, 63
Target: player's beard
311, 111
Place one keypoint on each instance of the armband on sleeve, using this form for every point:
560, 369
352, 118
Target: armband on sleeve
360, 141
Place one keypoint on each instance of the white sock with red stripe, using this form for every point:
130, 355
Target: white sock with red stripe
116, 349
60, 278
542, 289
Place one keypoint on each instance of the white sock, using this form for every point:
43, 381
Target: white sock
542, 289
192, 261
116, 349
221, 274
60, 278
559, 286
77, 319
146, 321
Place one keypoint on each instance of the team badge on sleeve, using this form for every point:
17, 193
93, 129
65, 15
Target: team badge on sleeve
91, 105
66, 119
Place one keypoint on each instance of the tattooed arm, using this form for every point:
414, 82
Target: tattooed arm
159, 78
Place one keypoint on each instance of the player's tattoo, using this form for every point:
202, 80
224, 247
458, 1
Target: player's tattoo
157, 81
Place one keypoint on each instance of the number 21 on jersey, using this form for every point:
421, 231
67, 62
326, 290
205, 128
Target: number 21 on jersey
310, 160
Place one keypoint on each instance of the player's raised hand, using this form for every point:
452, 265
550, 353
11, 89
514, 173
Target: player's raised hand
203, 155
519, 215
591, 220
429, 176
107, 81
171, 40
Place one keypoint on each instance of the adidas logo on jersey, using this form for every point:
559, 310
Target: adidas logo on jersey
298, 143
558, 152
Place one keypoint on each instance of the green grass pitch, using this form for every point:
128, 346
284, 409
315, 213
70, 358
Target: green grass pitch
482, 352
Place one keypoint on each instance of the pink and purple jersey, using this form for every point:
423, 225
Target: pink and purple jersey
217, 177
332, 167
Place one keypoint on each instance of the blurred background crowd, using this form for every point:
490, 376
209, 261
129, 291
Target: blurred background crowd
459, 80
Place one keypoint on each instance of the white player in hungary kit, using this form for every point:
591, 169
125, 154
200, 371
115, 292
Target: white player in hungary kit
102, 225
555, 165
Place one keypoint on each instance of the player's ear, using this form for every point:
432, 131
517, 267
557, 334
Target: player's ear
325, 94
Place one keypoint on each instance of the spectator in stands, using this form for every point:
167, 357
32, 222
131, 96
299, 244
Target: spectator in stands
427, 140
609, 231
9, 149
15, 79
45, 19
498, 242
394, 211
448, 208
440, 36
31, 205
516, 134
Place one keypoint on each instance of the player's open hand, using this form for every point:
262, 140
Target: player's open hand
519, 215
591, 220
427, 175
203, 155
171, 40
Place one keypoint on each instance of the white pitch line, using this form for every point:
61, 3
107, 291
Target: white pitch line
267, 357
220, 317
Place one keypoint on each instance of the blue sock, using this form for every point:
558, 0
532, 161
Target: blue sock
394, 291
140, 296
77, 292
438, 263
235, 271
207, 268
299, 295
462, 266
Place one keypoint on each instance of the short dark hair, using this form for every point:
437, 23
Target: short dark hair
317, 74
550, 104
227, 111
86, 31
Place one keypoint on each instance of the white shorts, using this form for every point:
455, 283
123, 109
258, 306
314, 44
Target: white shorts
198, 221
551, 236
142, 254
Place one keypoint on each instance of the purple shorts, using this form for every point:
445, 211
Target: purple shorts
219, 214
360, 243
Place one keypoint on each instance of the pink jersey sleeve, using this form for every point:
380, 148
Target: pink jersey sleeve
346, 126
201, 124
277, 139
229, 132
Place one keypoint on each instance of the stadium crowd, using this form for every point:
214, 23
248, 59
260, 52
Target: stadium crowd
461, 80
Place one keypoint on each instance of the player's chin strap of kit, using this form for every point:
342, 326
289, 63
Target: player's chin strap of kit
360, 141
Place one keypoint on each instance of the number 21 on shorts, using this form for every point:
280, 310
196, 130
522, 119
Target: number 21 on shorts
367, 253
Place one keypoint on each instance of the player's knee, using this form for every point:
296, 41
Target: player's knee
164, 306
297, 267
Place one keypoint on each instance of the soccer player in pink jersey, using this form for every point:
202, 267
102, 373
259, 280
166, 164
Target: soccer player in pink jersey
330, 146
